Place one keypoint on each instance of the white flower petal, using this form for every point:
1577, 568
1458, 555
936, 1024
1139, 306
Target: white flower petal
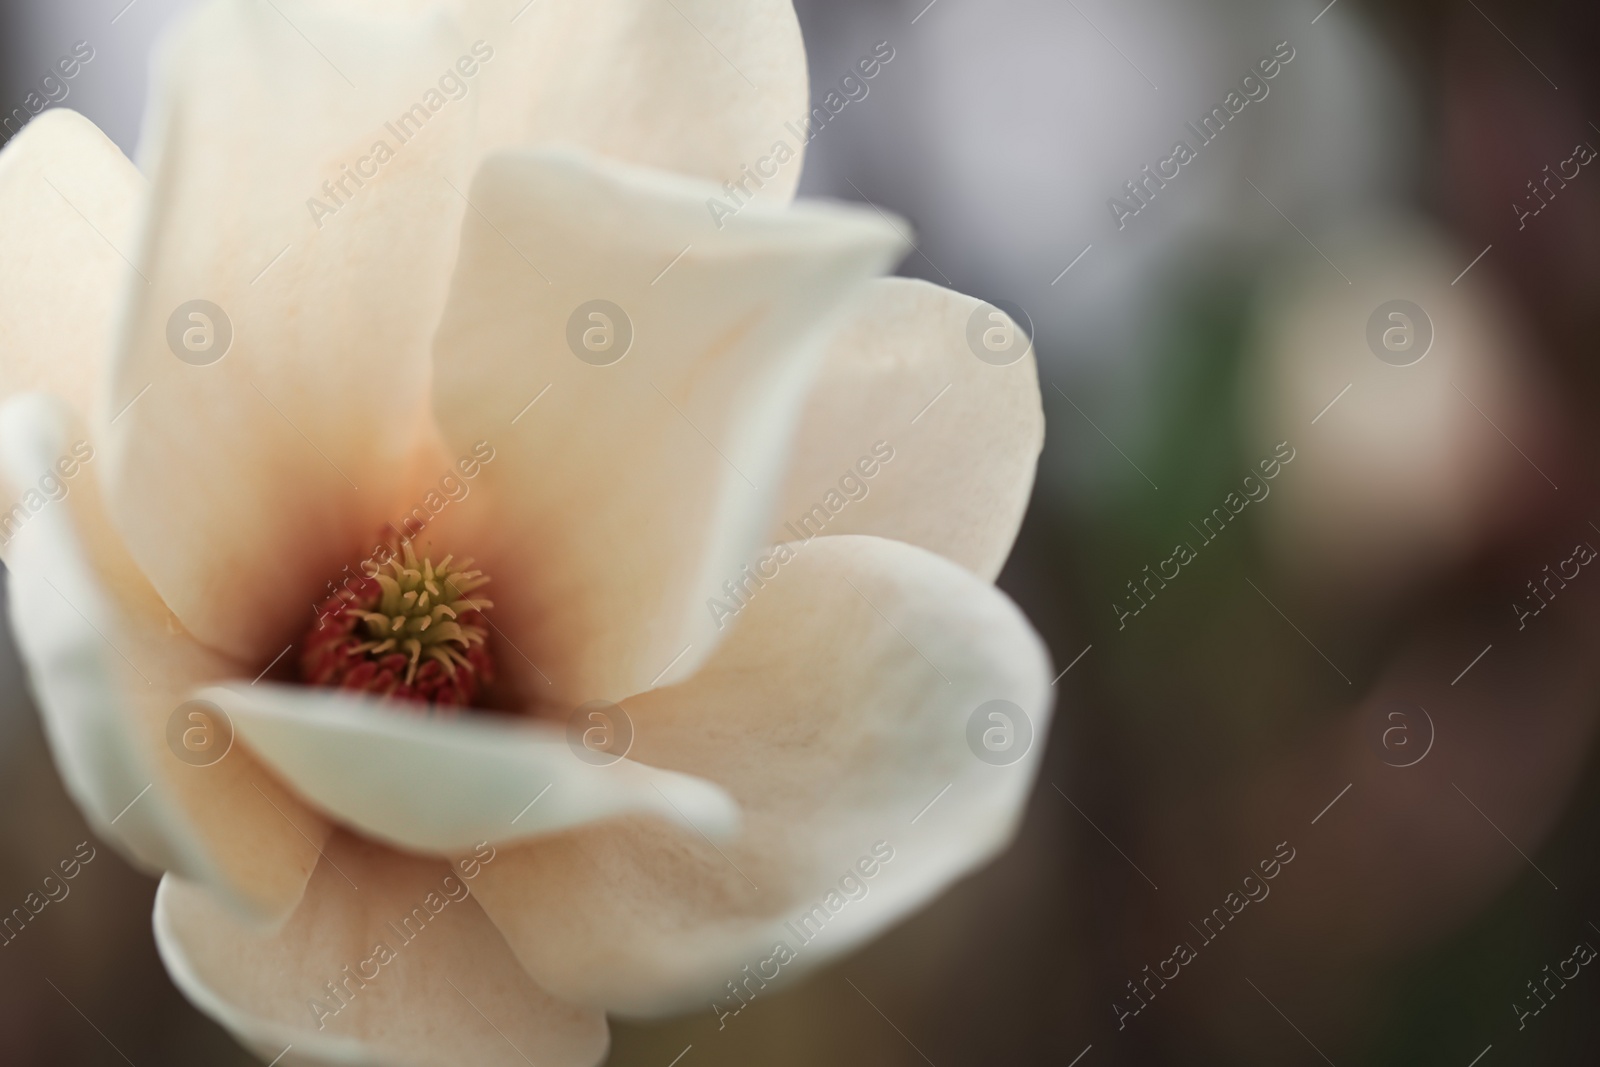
964, 434
69, 199
619, 502
443, 785
449, 995
701, 87
242, 484
110, 670
838, 713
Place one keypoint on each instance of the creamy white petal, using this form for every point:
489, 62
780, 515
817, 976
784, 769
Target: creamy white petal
701, 87
111, 669
244, 483
69, 203
962, 435
442, 785
447, 991
845, 713
623, 495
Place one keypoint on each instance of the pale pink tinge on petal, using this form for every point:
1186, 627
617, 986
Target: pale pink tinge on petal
269, 401
389, 962
113, 673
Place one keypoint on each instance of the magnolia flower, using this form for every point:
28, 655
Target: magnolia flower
340, 502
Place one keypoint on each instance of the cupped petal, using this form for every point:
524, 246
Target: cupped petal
634, 80
443, 785
69, 202
112, 672
675, 353
853, 714
269, 399
387, 963
909, 434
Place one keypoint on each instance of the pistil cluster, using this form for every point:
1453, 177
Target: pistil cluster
416, 633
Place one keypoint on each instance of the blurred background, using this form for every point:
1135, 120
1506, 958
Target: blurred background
1343, 355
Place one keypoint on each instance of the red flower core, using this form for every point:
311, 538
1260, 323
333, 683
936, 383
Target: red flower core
414, 633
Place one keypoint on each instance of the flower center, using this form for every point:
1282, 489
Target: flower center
415, 634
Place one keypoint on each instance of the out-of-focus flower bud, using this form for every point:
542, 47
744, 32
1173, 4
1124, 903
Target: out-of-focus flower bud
1406, 388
